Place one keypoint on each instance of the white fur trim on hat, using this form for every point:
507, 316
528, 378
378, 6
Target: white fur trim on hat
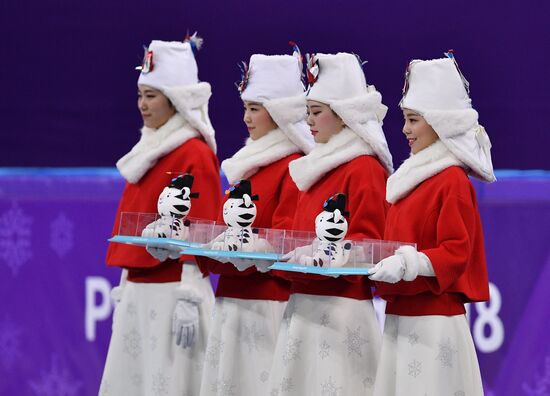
437, 92
460, 131
191, 102
340, 77
174, 65
363, 115
289, 114
272, 77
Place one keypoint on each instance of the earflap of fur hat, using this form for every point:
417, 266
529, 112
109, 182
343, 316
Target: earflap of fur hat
191, 102
461, 133
289, 114
364, 115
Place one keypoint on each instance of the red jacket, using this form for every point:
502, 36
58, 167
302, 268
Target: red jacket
363, 180
195, 157
442, 217
275, 209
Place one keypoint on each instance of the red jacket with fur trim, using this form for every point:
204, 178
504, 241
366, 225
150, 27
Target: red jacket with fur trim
275, 209
194, 157
363, 180
441, 215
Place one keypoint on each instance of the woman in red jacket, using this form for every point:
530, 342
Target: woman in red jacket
250, 303
427, 346
162, 298
330, 338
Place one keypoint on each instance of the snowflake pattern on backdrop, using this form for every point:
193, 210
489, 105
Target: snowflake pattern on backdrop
15, 238
324, 349
56, 382
446, 353
10, 343
292, 350
354, 341
160, 384
415, 368
329, 388
541, 381
61, 235
251, 337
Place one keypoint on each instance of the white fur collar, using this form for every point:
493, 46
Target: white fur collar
154, 144
417, 168
257, 153
341, 148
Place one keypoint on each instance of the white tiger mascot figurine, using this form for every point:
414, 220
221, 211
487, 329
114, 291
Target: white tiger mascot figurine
239, 212
330, 249
173, 206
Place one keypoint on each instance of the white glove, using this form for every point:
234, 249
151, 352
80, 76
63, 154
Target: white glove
161, 254
390, 270
185, 323
407, 263
116, 292
299, 255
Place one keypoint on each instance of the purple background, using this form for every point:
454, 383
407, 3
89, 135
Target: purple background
54, 227
68, 78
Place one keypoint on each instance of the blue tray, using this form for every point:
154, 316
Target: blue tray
283, 266
168, 243
195, 251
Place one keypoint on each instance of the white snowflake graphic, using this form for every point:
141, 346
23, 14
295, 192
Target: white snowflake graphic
223, 387
132, 343
251, 337
324, 349
541, 381
10, 343
329, 388
213, 352
161, 384
61, 235
292, 350
446, 353
56, 382
264, 376
354, 341
368, 382
15, 238
325, 320
415, 368
413, 339
286, 384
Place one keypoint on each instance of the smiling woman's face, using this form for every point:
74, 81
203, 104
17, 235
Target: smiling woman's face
258, 121
155, 108
418, 132
322, 121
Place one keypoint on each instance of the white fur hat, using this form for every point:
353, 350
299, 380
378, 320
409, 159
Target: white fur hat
275, 82
437, 91
341, 84
170, 67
